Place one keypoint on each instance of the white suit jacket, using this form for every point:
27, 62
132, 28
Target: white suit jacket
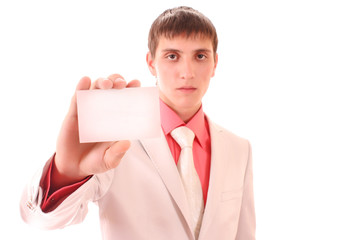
143, 198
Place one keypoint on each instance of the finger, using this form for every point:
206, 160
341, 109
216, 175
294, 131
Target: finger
83, 84
118, 81
102, 83
115, 76
134, 83
115, 153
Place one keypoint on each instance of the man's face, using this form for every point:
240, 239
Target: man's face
183, 68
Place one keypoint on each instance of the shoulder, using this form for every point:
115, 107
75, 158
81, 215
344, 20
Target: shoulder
227, 145
219, 133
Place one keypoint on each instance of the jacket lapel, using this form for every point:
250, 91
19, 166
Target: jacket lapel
216, 175
160, 154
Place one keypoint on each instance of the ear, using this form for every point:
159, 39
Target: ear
151, 64
216, 60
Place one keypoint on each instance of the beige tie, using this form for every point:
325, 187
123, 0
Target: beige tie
186, 167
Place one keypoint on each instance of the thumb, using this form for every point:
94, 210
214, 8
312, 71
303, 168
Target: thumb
115, 153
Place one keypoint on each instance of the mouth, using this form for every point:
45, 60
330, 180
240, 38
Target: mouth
187, 89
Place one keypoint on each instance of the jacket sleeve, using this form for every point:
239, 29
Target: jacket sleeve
247, 219
71, 210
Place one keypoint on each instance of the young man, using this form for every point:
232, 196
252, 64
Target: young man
155, 188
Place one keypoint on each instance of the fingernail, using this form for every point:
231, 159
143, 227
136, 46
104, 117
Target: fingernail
119, 80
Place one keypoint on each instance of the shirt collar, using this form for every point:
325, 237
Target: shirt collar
170, 120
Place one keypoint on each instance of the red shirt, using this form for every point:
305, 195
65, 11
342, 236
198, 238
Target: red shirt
169, 121
201, 144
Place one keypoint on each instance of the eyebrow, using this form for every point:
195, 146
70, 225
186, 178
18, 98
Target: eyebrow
170, 50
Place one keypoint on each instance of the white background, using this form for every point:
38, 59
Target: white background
280, 83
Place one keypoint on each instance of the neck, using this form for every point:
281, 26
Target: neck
185, 113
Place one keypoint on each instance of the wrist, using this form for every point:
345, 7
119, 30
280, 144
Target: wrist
64, 177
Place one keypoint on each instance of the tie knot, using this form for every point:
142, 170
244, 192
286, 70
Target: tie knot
183, 136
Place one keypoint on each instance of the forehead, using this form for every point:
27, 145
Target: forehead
182, 42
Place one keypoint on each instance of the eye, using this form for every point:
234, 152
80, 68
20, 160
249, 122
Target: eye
201, 56
172, 57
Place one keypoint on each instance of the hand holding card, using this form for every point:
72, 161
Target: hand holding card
73, 161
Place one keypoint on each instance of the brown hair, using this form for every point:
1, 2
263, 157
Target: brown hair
181, 21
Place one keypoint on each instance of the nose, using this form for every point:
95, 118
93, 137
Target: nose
187, 70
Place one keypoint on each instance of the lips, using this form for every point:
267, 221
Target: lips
186, 89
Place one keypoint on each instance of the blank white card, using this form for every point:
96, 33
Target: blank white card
118, 114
